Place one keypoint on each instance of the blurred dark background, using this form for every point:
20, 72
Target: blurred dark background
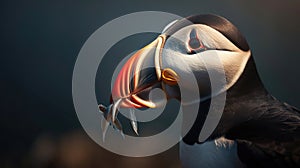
40, 41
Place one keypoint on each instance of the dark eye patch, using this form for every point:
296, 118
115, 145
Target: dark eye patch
194, 42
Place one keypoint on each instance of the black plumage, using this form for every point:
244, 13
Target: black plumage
267, 131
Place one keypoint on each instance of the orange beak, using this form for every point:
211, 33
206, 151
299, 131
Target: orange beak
140, 73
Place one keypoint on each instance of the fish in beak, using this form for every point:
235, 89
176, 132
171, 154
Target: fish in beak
139, 75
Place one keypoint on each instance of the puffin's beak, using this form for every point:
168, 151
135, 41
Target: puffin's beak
140, 74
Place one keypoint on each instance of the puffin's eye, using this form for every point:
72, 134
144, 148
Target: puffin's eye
194, 44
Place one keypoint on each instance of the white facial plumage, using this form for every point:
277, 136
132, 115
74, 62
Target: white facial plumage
220, 56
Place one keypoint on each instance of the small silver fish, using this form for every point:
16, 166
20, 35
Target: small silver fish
110, 118
108, 113
133, 121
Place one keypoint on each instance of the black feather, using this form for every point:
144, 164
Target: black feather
216, 22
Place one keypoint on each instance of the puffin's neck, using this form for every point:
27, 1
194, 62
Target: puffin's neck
252, 114
236, 103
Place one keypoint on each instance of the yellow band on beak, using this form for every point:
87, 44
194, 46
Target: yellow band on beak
169, 76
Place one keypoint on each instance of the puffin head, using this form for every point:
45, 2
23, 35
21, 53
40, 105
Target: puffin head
186, 49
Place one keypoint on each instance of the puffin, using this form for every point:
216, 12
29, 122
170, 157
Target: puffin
254, 129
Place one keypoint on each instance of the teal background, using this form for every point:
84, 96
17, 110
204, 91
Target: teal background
40, 41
